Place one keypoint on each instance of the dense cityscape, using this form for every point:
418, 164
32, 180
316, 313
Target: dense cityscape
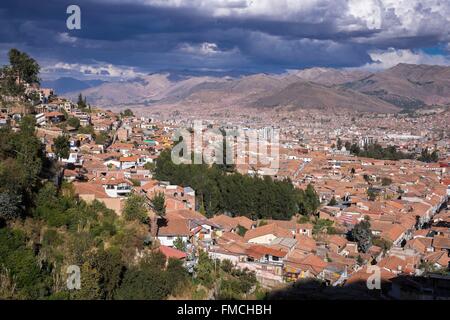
99, 189
243, 171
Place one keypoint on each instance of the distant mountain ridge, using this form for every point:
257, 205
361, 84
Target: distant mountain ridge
391, 90
68, 84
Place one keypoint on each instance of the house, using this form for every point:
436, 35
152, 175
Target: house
116, 187
231, 223
129, 162
172, 253
266, 254
54, 117
362, 277
305, 229
336, 243
74, 159
394, 264
441, 243
173, 228
309, 266
90, 191
233, 251
187, 225
266, 234
395, 233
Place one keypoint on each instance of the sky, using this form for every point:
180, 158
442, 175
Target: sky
122, 39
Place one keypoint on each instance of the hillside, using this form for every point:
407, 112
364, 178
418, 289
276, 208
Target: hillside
309, 95
391, 90
408, 85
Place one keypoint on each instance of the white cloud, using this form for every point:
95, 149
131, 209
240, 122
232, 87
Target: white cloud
205, 48
98, 70
392, 57
64, 37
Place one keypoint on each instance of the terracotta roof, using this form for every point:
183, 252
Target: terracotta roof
393, 233
89, 188
172, 252
244, 222
129, 159
258, 251
231, 237
267, 229
441, 242
361, 276
225, 221
392, 263
337, 240
174, 227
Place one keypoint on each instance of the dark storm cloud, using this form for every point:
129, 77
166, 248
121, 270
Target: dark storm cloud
148, 36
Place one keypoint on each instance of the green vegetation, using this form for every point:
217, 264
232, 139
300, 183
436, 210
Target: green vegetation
220, 191
22, 69
150, 166
241, 230
332, 202
150, 280
127, 113
157, 203
44, 228
22, 164
62, 146
323, 226
376, 151
426, 156
102, 138
385, 181
179, 244
382, 243
73, 122
81, 103
362, 234
231, 283
135, 208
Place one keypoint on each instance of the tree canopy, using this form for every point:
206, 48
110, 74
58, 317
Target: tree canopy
237, 194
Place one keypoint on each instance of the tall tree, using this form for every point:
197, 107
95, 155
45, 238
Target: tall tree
362, 234
62, 146
135, 208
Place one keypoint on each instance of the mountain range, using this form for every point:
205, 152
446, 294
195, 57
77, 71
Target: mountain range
404, 86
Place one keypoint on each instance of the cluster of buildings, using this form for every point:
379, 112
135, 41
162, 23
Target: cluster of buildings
405, 201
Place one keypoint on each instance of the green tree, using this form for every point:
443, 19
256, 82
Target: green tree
204, 270
23, 66
73, 122
135, 285
62, 146
332, 202
371, 194
151, 166
135, 208
241, 230
179, 244
385, 181
9, 206
362, 234
22, 69
127, 113
339, 144
158, 204
81, 103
